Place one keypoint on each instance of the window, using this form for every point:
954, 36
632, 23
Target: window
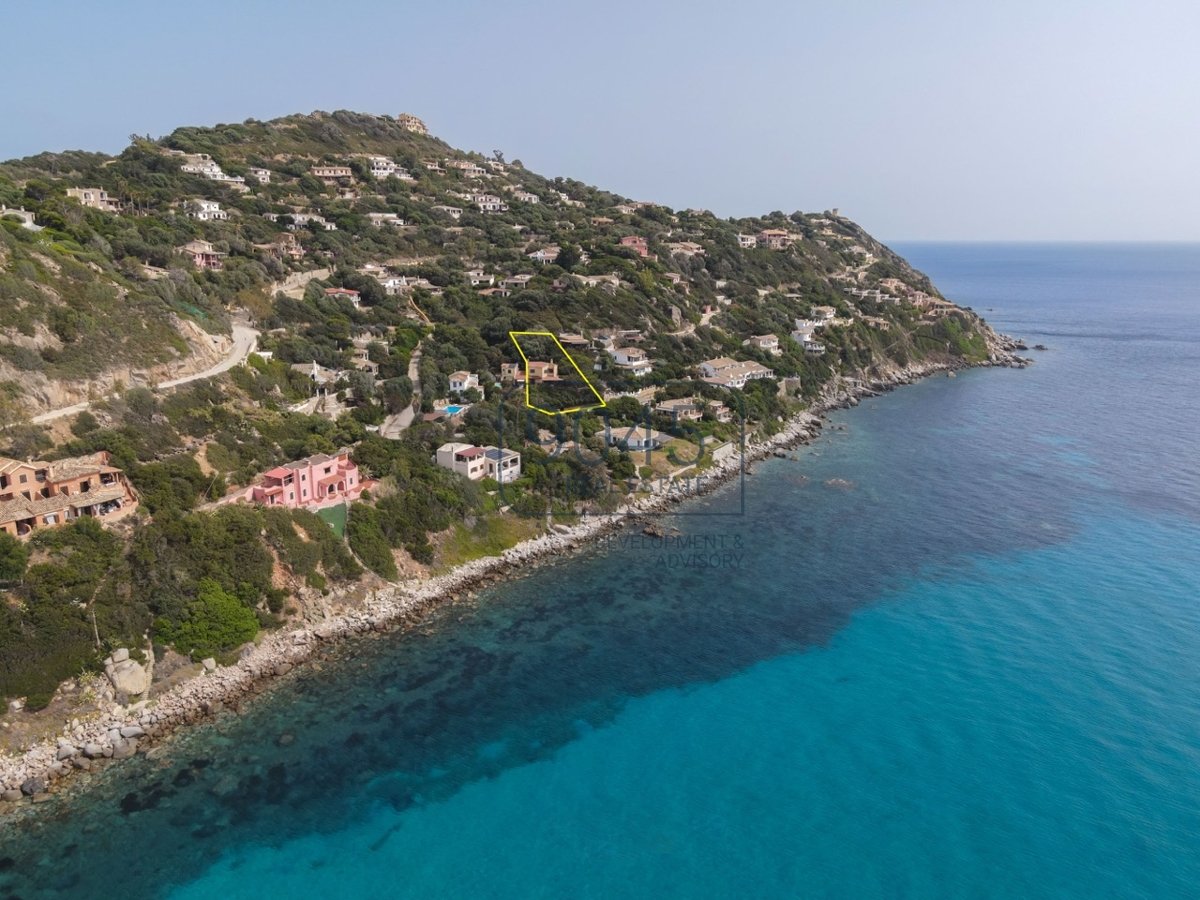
291, 495
24, 478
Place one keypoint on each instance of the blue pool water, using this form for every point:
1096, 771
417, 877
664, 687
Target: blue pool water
968, 667
454, 410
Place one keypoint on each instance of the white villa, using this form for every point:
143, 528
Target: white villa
94, 198
768, 343
632, 359
381, 219
205, 210
635, 437
21, 213
727, 372
686, 248
463, 381
203, 164
688, 409
301, 220
381, 167
480, 462
489, 203
331, 174
517, 282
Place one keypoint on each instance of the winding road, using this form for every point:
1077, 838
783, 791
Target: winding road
245, 339
394, 425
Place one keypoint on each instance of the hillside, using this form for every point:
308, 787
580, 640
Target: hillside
384, 272
107, 296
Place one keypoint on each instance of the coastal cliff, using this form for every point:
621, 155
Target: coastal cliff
379, 268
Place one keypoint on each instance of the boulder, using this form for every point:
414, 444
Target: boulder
32, 786
11, 796
133, 731
124, 749
128, 677
210, 664
67, 753
119, 656
93, 751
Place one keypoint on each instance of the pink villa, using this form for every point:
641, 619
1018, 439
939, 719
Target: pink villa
637, 244
315, 482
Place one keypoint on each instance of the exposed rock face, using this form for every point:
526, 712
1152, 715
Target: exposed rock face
127, 677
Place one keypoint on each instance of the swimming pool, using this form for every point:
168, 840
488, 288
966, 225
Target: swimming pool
454, 410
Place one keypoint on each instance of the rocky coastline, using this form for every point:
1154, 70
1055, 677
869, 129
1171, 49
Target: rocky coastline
50, 766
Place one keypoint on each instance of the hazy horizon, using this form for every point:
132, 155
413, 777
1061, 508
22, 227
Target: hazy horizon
935, 122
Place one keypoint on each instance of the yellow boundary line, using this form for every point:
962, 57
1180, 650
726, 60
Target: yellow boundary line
513, 335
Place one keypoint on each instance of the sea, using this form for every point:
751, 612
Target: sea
950, 649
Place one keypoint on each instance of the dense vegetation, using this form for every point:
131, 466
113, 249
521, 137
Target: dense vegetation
94, 292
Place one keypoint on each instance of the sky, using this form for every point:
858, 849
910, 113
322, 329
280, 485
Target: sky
921, 120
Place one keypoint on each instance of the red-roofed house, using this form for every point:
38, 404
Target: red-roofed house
317, 481
465, 459
637, 244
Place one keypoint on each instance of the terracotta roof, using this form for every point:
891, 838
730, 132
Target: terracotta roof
13, 510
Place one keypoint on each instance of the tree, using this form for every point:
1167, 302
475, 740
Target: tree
84, 423
12, 411
217, 620
13, 557
568, 257
397, 394
367, 540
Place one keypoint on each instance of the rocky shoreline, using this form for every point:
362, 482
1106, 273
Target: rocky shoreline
47, 767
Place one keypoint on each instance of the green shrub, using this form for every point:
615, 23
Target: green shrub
367, 540
216, 621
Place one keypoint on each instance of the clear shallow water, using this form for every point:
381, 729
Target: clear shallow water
975, 671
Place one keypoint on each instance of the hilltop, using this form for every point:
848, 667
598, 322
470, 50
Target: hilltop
383, 272
112, 290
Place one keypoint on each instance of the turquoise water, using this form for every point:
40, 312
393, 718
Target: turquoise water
454, 410
968, 667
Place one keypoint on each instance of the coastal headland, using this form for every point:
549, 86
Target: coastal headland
55, 765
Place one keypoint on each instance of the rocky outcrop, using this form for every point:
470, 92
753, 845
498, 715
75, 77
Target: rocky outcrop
127, 676
123, 733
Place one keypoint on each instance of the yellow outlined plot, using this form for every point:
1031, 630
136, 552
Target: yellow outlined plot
514, 335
